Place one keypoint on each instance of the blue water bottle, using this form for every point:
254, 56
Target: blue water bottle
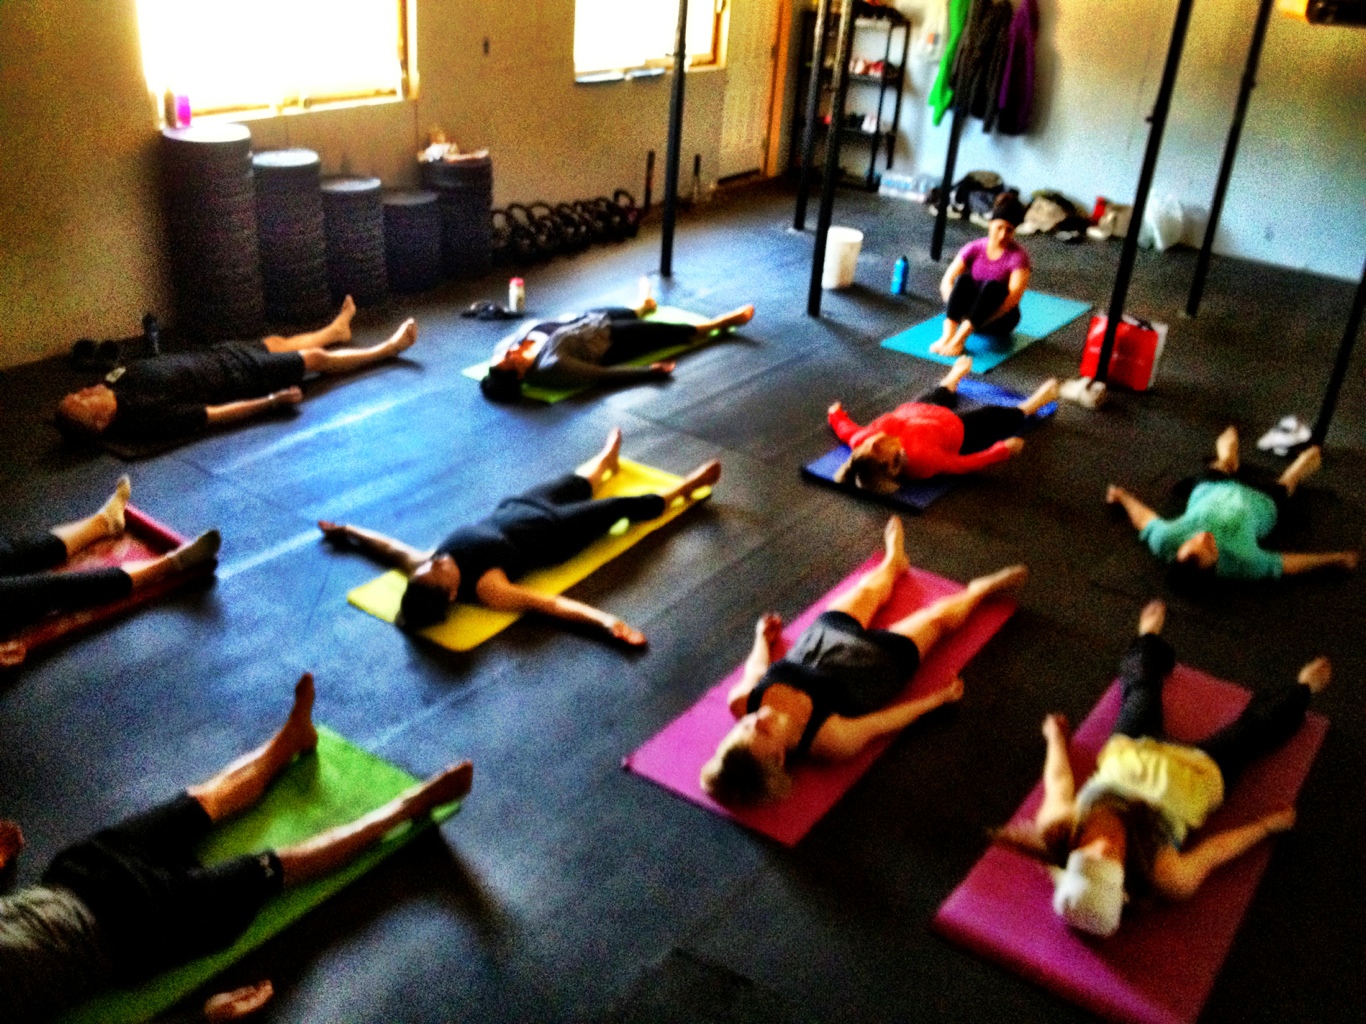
899, 269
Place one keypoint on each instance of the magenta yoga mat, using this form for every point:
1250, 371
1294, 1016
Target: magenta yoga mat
674, 757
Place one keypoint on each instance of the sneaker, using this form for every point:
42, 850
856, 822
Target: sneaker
1286, 434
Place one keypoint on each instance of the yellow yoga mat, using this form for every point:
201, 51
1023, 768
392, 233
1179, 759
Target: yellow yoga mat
469, 625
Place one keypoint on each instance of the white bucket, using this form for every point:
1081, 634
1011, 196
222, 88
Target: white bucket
841, 256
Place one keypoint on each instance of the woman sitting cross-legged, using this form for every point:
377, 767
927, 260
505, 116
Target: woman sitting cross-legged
1125, 830
590, 348
30, 589
1227, 516
541, 527
164, 397
134, 900
986, 281
829, 696
926, 437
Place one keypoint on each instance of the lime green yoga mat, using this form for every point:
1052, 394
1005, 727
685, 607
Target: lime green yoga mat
338, 785
672, 314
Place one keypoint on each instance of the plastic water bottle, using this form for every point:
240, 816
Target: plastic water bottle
899, 269
516, 295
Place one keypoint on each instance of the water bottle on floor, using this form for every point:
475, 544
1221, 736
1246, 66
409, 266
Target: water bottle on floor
899, 269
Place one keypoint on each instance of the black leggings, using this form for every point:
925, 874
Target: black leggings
978, 303
633, 337
982, 427
27, 593
1267, 722
580, 518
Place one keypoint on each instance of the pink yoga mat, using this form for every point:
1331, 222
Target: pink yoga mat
1161, 965
675, 756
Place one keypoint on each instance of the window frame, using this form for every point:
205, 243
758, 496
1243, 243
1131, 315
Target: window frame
708, 59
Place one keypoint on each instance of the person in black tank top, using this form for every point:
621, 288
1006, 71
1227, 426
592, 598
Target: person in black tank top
168, 396
541, 527
836, 689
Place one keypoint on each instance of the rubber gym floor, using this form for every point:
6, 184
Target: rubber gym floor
568, 890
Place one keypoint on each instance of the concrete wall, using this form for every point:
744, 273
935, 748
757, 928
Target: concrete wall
80, 232
1297, 196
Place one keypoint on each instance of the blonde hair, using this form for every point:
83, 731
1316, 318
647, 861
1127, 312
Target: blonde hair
736, 775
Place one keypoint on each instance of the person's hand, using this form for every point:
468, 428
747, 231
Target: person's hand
1014, 445
11, 842
664, 368
835, 409
770, 627
238, 1003
1279, 821
619, 630
334, 532
289, 396
945, 289
1350, 560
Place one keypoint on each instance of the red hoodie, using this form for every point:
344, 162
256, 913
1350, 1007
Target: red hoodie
930, 435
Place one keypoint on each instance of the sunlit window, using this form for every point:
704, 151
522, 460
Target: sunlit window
617, 35
236, 55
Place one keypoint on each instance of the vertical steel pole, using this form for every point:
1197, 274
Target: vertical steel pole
1158, 119
672, 154
1349, 337
941, 216
1235, 131
843, 49
813, 110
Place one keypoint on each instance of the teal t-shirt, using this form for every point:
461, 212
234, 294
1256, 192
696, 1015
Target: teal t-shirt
1239, 517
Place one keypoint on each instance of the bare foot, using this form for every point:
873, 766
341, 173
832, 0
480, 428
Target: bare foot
1014, 445
628, 635
953, 692
404, 337
1152, 618
1044, 394
112, 510
240, 1002
705, 475
770, 627
340, 328
738, 317
961, 368
452, 783
1003, 579
1350, 560
1056, 727
202, 549
1112, 494
1279, 821
894, 543
664, 367
1317, 674
298, 733
647, 305
610, 456
1306, 464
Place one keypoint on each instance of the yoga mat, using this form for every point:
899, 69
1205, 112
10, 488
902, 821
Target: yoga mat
1160, 966
470, 625
1040, 316
674, 757
552, 395
918, 495
338, 785
143, 538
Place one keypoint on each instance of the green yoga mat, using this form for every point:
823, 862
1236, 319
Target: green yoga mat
338, 785
672, 314
1040, 315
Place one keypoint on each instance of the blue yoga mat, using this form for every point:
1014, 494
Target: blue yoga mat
1040, 315
919, 495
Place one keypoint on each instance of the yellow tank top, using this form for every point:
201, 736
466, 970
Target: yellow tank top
1181, 782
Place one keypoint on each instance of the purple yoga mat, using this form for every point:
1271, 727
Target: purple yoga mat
1161, 965
675, 756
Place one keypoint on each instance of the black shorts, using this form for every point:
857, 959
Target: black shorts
21, 556
864, 669
156, 905
275, 370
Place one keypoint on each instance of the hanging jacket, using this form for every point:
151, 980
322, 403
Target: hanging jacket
941, 93
986, 101
1016, 98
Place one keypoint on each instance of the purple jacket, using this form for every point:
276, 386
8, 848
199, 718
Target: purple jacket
1017, 83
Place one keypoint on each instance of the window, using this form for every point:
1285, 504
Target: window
277, 55
618, 35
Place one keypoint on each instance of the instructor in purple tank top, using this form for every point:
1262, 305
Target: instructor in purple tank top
986, 299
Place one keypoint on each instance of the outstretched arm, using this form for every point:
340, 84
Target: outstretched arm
839, 738
1140, 515
1293, 563
766, 635
1178, 875
384, 549
496, 591
234, 412
840, 423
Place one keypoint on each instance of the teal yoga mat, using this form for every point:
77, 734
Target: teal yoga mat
1040, 315
337, 785
673, 314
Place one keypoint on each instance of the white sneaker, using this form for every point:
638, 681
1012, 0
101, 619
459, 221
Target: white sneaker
1286, 434
1083, 391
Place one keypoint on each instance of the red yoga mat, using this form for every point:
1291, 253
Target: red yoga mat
143, 538
675, 756
1160, 966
